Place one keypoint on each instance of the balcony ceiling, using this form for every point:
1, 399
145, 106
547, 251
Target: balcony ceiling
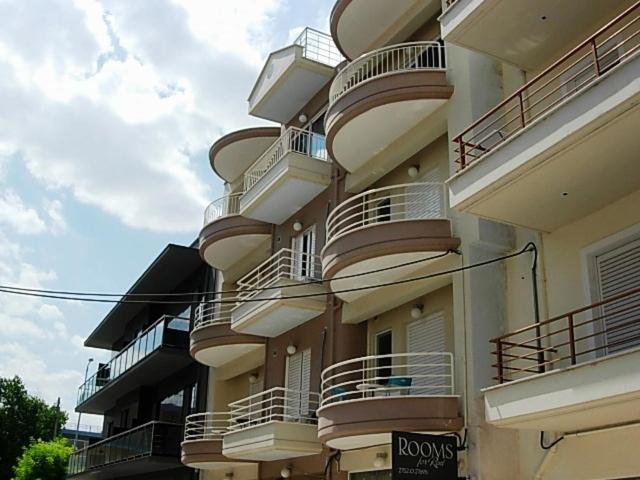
174, 264
232, 154
359, 26
525, 33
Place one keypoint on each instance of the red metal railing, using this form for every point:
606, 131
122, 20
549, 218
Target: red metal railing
604, 51
590, 332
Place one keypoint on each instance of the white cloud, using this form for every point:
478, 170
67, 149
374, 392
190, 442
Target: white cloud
17, 216
111, 100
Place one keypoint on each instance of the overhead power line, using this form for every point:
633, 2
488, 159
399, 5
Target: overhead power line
527, 248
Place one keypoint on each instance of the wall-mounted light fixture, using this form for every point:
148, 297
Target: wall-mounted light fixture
291, 349
302, 118
380, 460
413, 171
253, 378
297, 226
285, 472
416, 311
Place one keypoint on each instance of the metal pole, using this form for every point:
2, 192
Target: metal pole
75, 437
55, 424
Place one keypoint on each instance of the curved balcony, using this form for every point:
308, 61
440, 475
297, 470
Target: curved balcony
381, 228
213, 343
227, 237
358, 26
276, 424
378, 99
232, 154
202, 445
364, 399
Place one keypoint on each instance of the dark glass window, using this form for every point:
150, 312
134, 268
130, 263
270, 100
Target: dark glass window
383, 347
171, 408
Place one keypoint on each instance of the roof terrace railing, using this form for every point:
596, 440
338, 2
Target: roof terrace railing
319, 47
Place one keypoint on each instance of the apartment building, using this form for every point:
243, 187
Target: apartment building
419, 139
151, 383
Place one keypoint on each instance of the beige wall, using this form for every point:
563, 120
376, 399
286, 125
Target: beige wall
398, 318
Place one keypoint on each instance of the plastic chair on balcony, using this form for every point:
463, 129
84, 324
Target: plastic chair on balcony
398, 386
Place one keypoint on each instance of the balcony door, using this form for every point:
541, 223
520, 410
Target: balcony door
618, 271
429, 372
304, 249
297, 385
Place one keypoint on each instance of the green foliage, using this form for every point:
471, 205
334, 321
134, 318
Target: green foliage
44, 461
23, 419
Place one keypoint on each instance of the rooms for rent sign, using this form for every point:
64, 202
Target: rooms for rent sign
423, 457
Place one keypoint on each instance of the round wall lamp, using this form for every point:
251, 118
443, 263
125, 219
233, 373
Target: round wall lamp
416, 311
297, 226
291, 350
285, 472
302, 118
413, 171
253, 379
381, 460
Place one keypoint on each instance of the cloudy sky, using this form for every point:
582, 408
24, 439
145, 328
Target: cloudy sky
107, 110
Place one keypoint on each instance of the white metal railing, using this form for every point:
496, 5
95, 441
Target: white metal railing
404, 57
206, 426
396, 374
285, 264
293, 139
319, 47
222, 207
410, 201
207, 314
276, 404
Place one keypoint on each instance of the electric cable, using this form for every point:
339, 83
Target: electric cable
527, 248
222, 292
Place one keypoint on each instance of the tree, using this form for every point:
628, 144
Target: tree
44, 461
23, 419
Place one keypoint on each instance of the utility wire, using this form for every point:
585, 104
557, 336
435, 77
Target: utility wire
221, 292
525, 249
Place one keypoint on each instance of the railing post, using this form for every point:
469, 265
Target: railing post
463, 162
572, 339
499, 365
521, 104
594, 51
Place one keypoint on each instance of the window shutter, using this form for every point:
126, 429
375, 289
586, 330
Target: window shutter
427, 335
298, 383
425, 201
618, 271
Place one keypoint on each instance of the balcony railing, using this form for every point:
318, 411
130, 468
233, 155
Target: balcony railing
287, 264
150, 439
207, 314
276, 404
167, 331
591, 332
398, 374
411, 201
293, 140
606, 50
319, 47
206, 426
222, 207
405, 57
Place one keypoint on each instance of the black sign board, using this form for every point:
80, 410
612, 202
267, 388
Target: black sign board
423, 457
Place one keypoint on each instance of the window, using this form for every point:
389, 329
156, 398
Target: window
427, 335
304, 248
384, 347
617, 271
171, 408
298, 383
383, 211
193, 404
